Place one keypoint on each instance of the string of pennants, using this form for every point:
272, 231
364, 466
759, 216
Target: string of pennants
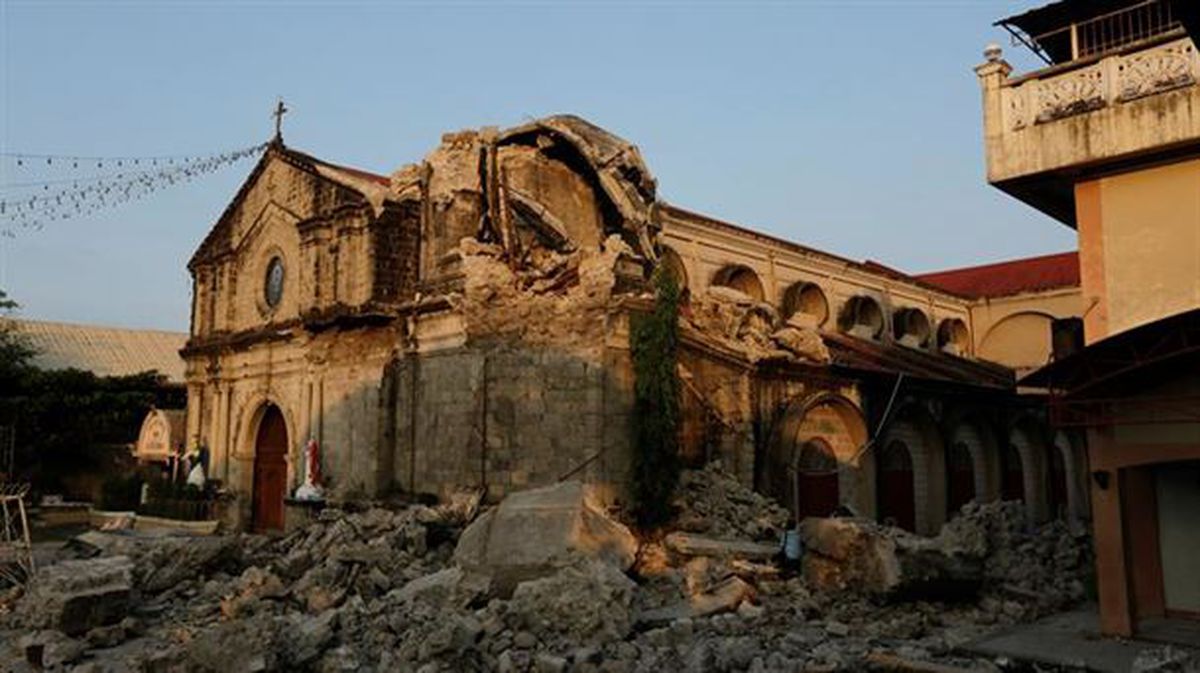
49, 187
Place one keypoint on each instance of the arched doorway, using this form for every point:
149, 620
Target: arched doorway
1012, 474
897, 498
960, 477
835, 425
1057, 476
1074, 469
270, 470
816, 480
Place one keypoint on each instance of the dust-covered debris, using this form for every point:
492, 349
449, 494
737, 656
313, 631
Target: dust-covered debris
76, 596
532, 533
687, 544
844, 553
1166, 659
753, 328
380, 590
1048, 565
560, 298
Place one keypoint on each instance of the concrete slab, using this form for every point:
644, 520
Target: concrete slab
1072, 639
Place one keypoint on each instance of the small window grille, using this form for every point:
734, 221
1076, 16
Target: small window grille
1111, 31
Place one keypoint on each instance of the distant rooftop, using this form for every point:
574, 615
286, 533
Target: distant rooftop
105, 351
1002, 279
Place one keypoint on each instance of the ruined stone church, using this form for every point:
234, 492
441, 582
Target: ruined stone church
463, 322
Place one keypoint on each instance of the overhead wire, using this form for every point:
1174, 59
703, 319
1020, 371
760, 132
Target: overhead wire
33, 203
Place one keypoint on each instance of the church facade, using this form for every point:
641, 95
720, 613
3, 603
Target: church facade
464, 322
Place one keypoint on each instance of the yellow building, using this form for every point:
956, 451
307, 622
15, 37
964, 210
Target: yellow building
1106, 139
464, 322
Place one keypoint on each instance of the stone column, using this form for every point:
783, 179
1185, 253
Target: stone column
992, 76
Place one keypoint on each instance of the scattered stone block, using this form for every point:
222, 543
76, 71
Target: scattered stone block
77, 596
725, 596
842, 553
696, 545
533, 533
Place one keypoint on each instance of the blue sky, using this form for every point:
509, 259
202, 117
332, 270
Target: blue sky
849, 126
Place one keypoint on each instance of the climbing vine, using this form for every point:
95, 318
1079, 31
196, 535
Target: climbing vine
653, 341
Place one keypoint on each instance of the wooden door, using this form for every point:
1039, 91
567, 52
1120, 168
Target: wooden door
960, 477
1058, 482
897, 496
1012, 476
816, 480
270, 471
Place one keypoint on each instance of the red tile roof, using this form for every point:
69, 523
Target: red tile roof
1002, 279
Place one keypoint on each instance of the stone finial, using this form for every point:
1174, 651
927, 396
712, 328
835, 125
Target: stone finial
993, 53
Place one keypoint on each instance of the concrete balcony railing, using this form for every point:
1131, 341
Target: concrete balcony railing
1092, 111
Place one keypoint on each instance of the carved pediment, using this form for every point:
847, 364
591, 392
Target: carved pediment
292, 182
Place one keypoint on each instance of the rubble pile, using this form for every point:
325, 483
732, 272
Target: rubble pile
863, 556
573, 287
1047, 566
712, 502
1166, 659
753, 328
216, 603
546, 581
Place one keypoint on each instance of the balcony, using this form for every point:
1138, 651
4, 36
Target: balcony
1045, 129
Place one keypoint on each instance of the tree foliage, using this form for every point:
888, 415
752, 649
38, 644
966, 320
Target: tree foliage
15, 351
654, 346
67, 419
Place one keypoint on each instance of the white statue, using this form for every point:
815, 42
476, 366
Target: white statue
198, 461
311, 488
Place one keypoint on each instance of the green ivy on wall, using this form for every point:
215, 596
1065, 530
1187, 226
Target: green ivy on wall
653, 342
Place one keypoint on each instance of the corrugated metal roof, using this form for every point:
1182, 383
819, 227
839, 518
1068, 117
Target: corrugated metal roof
1002, 279
1116, 359
105, 351
869, 356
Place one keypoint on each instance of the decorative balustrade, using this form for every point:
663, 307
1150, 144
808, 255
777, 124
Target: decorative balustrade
1110, 81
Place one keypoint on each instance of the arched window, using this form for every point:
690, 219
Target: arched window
862, 317
807, 300
273, 283
740, 278
910, 327
953, 337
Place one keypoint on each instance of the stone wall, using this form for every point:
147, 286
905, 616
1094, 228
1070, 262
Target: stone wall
327, 386
506, 417
705, 250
